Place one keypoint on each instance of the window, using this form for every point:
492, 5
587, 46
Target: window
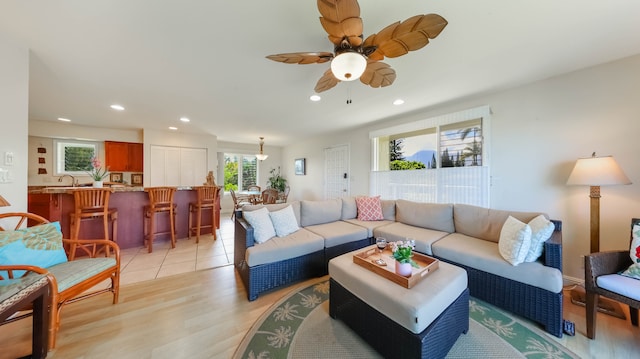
240, 171
73, 157
438, 160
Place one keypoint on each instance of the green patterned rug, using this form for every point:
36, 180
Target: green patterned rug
299, 326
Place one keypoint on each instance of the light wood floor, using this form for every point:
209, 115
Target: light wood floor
205, 314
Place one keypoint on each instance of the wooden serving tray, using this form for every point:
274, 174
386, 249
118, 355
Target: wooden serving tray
367, 258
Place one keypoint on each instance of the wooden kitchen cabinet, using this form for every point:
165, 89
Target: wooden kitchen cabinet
46, 205
123, 156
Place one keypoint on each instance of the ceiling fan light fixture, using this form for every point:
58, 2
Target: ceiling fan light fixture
261, 156
348, 66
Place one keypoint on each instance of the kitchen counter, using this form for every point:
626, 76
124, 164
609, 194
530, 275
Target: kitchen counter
57, 203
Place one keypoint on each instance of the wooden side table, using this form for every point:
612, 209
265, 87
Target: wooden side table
17, 294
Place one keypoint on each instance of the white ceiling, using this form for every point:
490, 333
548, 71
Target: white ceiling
205, 59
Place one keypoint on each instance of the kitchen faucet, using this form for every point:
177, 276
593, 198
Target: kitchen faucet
74, 181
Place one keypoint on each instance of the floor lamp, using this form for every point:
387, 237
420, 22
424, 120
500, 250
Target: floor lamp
595, 172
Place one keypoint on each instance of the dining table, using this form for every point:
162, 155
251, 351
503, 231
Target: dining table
255, 197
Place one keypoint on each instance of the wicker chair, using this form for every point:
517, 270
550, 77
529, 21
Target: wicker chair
607, 263
269, 196
73, 280
238, 202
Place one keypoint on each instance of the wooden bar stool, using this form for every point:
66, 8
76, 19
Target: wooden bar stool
160, 200
207, 198
91, 204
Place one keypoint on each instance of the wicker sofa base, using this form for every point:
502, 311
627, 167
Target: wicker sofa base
536, 304
392, 340
261, 278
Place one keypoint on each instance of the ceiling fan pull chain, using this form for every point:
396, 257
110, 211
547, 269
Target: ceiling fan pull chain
348, 93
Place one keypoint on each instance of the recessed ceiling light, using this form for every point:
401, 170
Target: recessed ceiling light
184, 119
117, 107
173, 128
315, 98
398, 102
64, 119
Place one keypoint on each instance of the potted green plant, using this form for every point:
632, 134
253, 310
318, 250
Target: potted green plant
276, 181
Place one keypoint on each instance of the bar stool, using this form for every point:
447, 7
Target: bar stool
160, 200
90, 204
207, 198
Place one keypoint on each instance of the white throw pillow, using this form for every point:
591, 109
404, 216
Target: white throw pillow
634, 252
284, 221
515, 240
541, 230
261, 222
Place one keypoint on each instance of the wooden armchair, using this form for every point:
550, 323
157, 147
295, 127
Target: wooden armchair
607, 265
69, 281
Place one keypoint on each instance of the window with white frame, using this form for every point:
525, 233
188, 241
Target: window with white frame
240, 171
73, 157
438, 160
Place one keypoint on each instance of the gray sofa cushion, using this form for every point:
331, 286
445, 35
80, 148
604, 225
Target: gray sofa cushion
485, 223
388, 209
276, 207
484, 255
277, 249
339, 232
369, 225
349, 208
436, 216
319, 212
399, 232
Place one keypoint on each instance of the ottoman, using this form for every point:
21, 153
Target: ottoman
422, 322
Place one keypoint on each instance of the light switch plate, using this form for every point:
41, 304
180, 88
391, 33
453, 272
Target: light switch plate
8, 158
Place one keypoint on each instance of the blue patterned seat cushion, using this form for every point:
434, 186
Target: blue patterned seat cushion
38, 245
71, 273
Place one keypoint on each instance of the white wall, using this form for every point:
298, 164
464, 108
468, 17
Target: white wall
14, 112
538, 132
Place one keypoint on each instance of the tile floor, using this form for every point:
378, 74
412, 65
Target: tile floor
138, 265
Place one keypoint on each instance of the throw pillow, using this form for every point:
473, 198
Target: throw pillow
541, 230
38, 245
634, 252
369, 208
284, 221
515, 240
261, 222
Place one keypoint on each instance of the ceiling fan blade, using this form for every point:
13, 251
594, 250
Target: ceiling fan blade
326, 82
378, 74
340, 19
399, 38
302, 58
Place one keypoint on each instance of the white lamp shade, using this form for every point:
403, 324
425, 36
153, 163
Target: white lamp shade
597, 171
261, 157
348, 66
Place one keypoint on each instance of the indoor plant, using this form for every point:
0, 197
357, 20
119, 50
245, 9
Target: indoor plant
402, 253
276, 180
97, 173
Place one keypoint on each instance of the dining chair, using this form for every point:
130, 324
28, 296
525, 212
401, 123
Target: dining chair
602, 279
269, 196
238, 202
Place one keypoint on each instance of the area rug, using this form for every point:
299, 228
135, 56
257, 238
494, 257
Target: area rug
299, 326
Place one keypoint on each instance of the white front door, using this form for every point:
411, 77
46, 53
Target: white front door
336, 163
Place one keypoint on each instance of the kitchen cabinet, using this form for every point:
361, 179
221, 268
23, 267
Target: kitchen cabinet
177, 166
123, 156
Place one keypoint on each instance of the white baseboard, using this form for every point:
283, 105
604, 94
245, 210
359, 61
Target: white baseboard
572, 280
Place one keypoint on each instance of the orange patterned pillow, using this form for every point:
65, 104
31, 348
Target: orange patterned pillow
369, 208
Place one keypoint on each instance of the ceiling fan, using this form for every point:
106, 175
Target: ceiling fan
354, 57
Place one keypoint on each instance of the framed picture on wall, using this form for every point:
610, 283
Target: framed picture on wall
115, 177
299, 166
136, 179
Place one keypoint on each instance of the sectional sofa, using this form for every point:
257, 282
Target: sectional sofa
464, 235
